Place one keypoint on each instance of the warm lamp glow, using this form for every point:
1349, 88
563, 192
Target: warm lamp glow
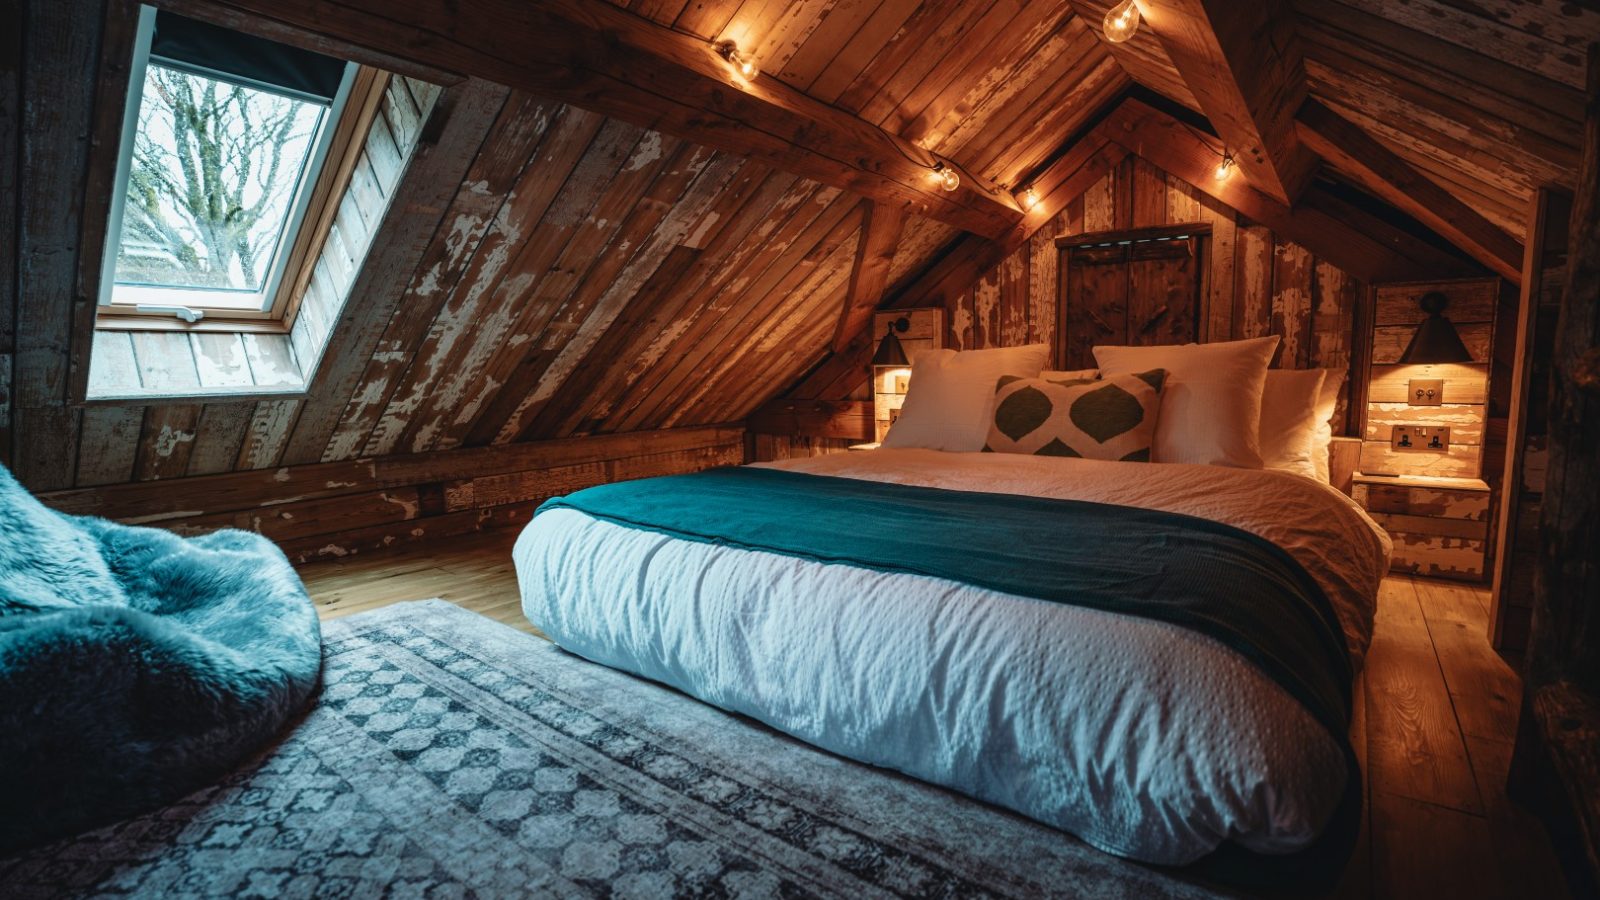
1225, 168
1121, 22
947, 177
1029, 198
744, 64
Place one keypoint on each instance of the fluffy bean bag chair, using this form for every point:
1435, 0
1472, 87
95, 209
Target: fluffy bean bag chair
136, 666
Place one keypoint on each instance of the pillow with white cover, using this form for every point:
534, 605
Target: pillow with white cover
1289, 420
1211, 407
950, 399
1327, 403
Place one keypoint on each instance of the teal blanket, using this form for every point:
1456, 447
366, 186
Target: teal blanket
1209, 577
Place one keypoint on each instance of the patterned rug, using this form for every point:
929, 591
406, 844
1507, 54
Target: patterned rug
451, 756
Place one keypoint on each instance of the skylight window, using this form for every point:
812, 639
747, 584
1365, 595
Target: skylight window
223, 143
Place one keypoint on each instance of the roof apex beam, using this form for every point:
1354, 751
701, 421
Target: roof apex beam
1351, 151
607, 60
1241, 60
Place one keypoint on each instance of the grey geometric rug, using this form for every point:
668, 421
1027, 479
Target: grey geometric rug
451, 756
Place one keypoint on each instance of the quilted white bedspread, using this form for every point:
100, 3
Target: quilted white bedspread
1145, 739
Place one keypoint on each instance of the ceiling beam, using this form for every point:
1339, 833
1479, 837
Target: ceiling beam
599, 57
881, 227
1241, 60
1372, 251
1361, 158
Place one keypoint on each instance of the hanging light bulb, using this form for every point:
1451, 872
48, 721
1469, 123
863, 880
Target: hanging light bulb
1225, 168
948, 179
742, 63
1121, 21
1029, 198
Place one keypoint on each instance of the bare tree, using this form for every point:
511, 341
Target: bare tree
210, 160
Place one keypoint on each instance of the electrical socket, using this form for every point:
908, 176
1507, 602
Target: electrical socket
1424, 438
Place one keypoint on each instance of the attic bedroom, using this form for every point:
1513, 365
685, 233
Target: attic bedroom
779, 448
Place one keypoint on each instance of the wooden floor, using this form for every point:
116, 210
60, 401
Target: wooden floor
1435, 729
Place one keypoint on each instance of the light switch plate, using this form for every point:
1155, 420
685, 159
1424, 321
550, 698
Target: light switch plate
1425, 391
1423, 438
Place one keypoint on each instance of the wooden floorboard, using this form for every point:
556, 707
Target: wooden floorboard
1434, 719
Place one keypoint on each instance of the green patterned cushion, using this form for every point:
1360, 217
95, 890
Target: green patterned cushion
1108, 418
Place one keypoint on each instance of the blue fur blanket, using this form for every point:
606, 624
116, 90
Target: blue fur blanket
135, 665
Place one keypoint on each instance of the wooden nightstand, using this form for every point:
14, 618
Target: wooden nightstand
1440, 525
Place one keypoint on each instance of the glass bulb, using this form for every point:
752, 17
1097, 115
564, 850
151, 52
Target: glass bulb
1121, 22
948, 179
1030, 198
742, 63
1224, 168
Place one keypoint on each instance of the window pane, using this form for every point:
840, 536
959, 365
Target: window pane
214, 173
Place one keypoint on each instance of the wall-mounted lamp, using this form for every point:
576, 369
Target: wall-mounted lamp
1029, 198
1436, 340
742, 63
1225, 167
947, 177
1121, 22
890, 353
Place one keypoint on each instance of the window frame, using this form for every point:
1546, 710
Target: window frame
323, 183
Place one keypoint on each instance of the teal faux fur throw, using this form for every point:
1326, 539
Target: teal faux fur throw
135, 665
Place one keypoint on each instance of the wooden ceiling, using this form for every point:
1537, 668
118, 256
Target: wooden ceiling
603, 272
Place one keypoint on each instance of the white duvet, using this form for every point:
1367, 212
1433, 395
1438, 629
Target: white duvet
1145, 739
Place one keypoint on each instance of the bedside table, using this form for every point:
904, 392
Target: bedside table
1440, 525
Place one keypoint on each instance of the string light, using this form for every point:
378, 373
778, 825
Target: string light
1121, 21
948, 179
1029, 198
742, 63
1225, 168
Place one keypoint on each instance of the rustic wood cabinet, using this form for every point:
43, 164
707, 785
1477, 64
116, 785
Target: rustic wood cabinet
1135, 287
1439, 525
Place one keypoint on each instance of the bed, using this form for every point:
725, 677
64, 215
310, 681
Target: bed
1146, 739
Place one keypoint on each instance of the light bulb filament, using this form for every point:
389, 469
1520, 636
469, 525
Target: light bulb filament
742, 63
1121, 22
1029, 198
947, 177
1225, 167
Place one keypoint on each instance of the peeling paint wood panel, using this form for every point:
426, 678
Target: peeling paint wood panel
1464, 383
1291, 304
1464, 420
580, 293
433, 174
268, 434
220, 360
272, 360
1437, 556
165, 360
581, 218
1435, 503
167, 442
664, 312
1390, 341
1253, 271
1460, 461
509, 148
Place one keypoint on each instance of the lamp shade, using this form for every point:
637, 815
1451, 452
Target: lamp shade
890, 353
1436, 340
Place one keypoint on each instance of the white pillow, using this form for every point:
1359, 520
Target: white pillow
950, 401
1289, 420
1322, 439
1211, 408
1070, 374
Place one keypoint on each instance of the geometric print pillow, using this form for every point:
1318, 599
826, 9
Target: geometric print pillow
1108, 418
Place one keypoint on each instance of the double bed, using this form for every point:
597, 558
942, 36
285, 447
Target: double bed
1143, 737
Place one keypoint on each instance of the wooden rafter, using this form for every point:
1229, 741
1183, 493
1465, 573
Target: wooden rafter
1377, 253
599, 57
1360, 157
881, 227
1085, 162
1241, 60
